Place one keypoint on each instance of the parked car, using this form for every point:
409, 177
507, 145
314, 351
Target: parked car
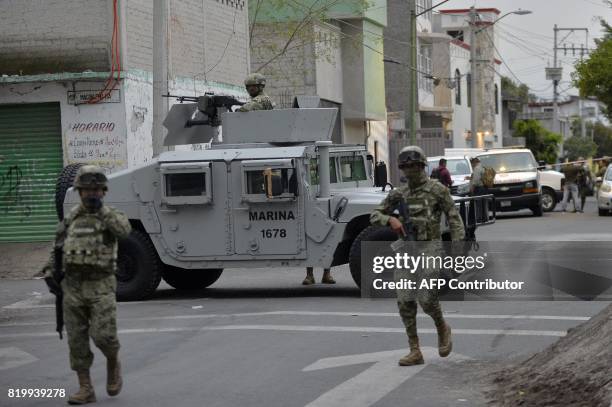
604, 193
460, 170
517, 180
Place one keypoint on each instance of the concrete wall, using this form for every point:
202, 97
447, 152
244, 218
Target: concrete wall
460, 60
328, 63
90, 133
48, 36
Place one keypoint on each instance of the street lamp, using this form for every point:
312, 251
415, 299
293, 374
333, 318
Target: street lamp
473, 61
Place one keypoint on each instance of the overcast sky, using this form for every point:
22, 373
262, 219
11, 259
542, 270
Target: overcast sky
526, 41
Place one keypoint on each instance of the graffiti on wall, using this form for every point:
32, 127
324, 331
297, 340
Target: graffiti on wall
101, 143
12, 193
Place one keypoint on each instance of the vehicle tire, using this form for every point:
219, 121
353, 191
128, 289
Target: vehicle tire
603, 212
183, 279
138, 267
549, 200
537, 210
64, 181
369, 234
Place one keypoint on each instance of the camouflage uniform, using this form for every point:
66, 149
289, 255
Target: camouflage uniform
88, 236
426, 199
259, 101
90, 256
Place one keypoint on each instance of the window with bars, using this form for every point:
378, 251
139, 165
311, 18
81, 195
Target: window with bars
237, 4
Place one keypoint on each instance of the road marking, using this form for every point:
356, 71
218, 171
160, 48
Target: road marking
325, 313
308, 328
375, 382
14, 357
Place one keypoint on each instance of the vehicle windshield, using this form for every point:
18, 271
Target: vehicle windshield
456, 166
509, 162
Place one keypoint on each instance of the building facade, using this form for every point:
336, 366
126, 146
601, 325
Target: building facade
76, 86
338, 56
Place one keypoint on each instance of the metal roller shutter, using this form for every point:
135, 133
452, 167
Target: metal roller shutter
30, 161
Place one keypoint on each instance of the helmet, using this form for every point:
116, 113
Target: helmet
411, 154
90, 176
255, 79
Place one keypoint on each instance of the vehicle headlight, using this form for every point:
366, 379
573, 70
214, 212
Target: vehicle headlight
530, 187
606, 188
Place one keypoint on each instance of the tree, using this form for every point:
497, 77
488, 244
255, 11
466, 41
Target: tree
593, 76
542, 142
577, 146
602, 136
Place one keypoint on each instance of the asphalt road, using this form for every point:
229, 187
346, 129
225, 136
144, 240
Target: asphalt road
259, 338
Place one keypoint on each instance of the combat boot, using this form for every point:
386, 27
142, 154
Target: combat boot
86, 392
415, 357
309, 280
113, 375
327, 277
445, 344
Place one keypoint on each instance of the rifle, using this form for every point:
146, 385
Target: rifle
409, 229
54, 284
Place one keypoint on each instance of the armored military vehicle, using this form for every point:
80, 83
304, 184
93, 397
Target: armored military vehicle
274, 193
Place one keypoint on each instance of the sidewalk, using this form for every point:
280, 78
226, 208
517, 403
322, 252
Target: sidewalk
20, 261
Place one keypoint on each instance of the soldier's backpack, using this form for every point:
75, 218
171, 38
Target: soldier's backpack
488, 177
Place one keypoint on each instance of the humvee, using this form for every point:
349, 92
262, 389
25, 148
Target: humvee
274, 193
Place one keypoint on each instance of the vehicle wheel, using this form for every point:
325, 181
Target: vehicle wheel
603, 212
183, 279
549, 200
138, 267
369, 234
63, 183
537, 210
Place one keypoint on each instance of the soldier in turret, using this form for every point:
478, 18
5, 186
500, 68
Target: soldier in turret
255, 84
88, 237
426, 199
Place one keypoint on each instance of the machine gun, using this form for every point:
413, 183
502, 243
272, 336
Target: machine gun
209, 105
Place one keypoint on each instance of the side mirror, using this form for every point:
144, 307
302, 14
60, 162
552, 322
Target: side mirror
274, 183
380, 174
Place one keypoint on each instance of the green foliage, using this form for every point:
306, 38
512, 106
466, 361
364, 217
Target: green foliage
602, 136
593, 76
543, 143
518, 94
577, 146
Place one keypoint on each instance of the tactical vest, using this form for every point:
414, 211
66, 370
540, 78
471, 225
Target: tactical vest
424, 211
90, 252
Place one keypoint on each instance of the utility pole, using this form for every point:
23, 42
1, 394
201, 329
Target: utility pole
473, 73
555, 125
414, 85
160, 73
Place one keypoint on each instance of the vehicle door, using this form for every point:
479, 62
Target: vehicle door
268, 209
192, 211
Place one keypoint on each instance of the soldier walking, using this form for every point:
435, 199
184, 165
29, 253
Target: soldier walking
88, 237
255, 84
426, 199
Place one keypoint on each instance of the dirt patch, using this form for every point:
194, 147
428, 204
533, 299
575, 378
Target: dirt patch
574, 371
23, 261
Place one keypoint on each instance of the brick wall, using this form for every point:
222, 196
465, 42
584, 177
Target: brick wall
49, 36
139, 27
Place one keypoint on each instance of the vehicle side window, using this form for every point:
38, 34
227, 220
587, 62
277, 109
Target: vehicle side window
353, 168
186, 183
314, 171
255, 180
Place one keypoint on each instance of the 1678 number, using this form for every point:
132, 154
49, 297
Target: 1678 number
273, 233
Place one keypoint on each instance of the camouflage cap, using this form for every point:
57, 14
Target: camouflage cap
90, 176
255, 79
411, 154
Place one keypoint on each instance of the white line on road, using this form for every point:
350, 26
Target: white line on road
308, 328
324, 313
375, 382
